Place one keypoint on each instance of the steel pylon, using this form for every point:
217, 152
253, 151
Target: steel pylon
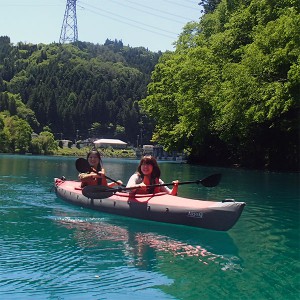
69, 31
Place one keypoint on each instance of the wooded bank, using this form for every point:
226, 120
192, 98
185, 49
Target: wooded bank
228, 95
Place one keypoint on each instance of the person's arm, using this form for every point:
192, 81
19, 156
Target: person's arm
112, 184
101, 174
164, 188
133, 181
86, 176
168, 190
175, 188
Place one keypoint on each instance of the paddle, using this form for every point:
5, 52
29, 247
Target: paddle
100, 192
83, 166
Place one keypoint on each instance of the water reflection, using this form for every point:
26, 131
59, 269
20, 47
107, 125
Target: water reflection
145, 246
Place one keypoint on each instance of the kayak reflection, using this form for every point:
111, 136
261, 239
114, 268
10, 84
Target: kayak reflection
144, 244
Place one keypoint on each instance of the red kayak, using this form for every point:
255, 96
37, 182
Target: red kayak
159, 207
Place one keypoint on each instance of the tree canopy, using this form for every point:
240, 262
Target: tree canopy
70, 87
228, 95
230, 91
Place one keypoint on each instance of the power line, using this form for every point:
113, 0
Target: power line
121, 20
148, 14
30, 5
145, 11
192, 1
182, 5
135, 26
155, 9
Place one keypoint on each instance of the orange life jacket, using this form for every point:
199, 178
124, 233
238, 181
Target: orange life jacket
91, 181
151, 190
94, 181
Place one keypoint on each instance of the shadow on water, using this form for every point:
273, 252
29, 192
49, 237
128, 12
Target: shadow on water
144, 244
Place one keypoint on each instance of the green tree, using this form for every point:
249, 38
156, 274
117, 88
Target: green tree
19, 133
3, 136
209, 5
95, 130
230, 91
44, 143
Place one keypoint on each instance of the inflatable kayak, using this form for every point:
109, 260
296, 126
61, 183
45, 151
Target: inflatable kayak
159, 207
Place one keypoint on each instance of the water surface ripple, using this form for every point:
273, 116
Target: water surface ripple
53, 250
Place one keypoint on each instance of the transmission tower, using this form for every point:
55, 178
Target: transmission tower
69, 32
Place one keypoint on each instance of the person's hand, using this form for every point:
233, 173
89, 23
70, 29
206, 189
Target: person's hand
143, 186
115, 183
100, 174
95, 175
175, 187
87, 176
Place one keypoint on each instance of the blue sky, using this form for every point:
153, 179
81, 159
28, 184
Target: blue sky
154, 24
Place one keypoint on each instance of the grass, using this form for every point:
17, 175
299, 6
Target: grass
105, 152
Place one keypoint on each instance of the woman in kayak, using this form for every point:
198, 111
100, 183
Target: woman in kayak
97, 176
148, 173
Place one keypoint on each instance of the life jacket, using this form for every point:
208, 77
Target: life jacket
94, 181
151, 190
91, 181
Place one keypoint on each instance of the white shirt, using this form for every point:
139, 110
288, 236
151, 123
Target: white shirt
137, 179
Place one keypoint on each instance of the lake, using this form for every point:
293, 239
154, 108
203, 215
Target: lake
53, 250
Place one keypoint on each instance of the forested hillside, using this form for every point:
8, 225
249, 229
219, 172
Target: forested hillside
78, 91
230, 93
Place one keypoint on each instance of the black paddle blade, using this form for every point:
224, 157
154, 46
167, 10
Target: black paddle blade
97, 191
82, 165
211, 181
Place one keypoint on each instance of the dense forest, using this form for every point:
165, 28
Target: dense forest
78, 90
230, 92
227, 95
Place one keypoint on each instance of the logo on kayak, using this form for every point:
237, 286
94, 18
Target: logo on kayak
195, 214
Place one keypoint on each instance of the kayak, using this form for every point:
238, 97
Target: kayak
159, 207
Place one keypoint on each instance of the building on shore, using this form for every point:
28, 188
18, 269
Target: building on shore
106, 143
160, 154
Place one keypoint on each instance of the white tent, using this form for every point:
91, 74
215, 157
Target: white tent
110, 143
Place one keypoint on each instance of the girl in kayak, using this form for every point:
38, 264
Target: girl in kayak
148, 173
97, 176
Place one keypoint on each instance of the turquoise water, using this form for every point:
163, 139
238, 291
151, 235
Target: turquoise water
53, 250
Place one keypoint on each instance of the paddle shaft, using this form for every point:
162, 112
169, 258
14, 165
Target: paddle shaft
209, 181
159, 184
119, 189
100, 191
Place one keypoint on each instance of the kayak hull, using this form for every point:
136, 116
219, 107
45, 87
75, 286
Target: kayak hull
159, 207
